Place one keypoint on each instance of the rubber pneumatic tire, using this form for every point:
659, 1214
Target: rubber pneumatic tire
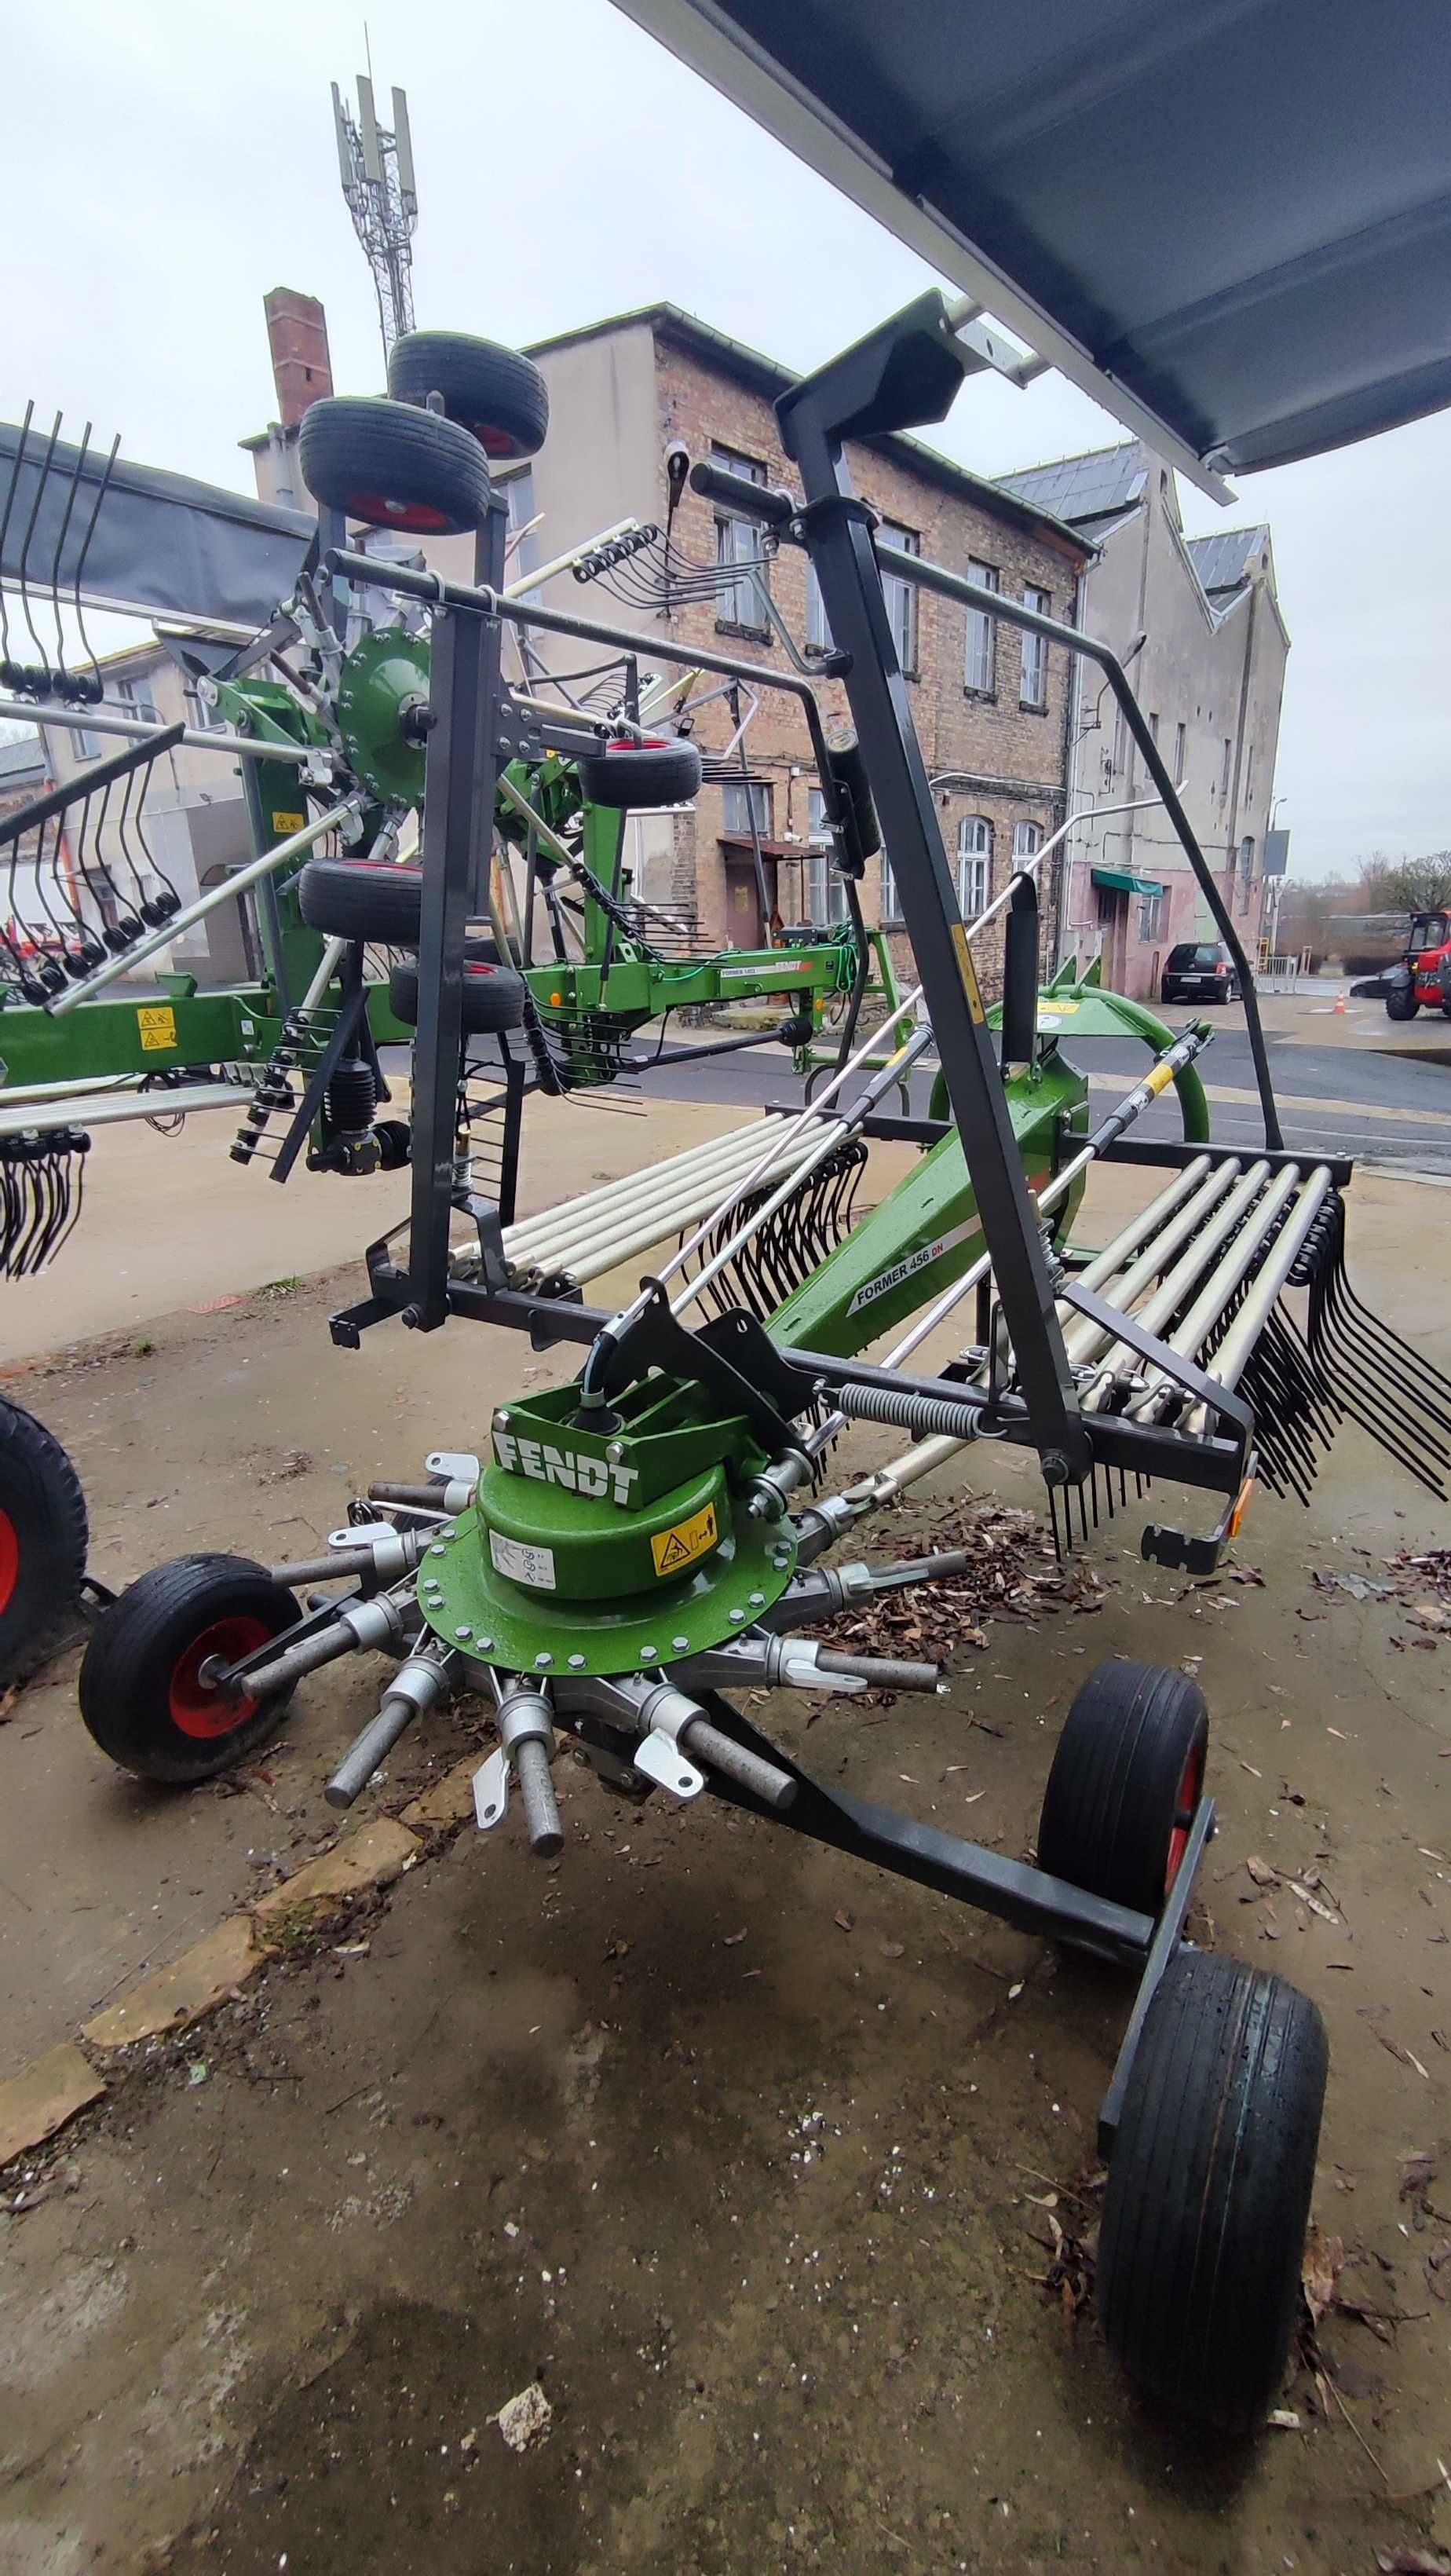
371, 899
141, 1697
393, 465
493, 997
42, 1541
628, 775
1209, 2190
1125, 1780
495, 394
1401, 1003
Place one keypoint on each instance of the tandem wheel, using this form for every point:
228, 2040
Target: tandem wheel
1126, 1779
141, 1692
42, 1542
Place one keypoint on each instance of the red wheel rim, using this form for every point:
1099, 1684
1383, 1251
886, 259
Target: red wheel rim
494, 442
1186, 1799
196, 1710
9, 1560
647, 742
414, 518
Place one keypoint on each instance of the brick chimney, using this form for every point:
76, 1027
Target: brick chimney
297, 336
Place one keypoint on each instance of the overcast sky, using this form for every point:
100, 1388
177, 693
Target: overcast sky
167, 164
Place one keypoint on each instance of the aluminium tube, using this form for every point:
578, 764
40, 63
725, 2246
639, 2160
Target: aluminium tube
1118, 1360
583, 1219
1229, 1360
522, 1232
624, 1230
100, 720
1085, 1335
1221, 1284
237, 883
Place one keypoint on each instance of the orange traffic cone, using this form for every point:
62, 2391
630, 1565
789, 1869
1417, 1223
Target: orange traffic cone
1340, 1001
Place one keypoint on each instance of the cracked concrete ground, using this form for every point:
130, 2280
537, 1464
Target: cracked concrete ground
729, 2145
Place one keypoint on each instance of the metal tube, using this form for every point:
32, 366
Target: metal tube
719, 1752
1085, 1337
236, 884
325, 1569
331, 959
115, 1108
886, 1672
363, 1757
536, 1791
99, 720
600, 1247
582, 1218
1223, 1280
1156, 1309
1228, 1361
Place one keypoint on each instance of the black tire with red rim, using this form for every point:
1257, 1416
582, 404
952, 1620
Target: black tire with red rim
372, 899
495, 394
631, 775
1209, 2190
142, 1695
393, 465
42, 1542
1126, 1779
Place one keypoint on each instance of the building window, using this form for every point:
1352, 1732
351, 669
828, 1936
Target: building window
135, 700
890, 907
900, 596
981, 666
1034, 691
740, 798
1181, 737
1106, 906
738, 541
1249, 771
1224, 771
1246, 859
974, 864
825, 886
1151, 916
1154, 727
1120, 752
525, 554
1027, 842
818, 632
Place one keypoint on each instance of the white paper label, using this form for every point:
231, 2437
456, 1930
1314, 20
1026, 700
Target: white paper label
532, 1565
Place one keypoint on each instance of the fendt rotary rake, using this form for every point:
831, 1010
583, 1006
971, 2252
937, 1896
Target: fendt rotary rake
637, 1546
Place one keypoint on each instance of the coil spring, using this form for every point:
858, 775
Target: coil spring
1319, 1243
931, 1417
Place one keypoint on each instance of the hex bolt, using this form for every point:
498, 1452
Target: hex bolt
680, 1644
738, 1615
544, 1659
758, 1600
576, 1663
463, 1632
649, 1654
615, 1452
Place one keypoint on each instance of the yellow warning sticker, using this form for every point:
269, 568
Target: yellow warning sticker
1055, 1010
967, 971
674, 1549
288, 822
157, 1026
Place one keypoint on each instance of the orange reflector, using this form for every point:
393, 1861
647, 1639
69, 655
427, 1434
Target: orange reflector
556, 1001
1242, 1503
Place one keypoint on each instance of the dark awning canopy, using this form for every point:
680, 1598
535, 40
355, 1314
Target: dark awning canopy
1120, 881
1228, 220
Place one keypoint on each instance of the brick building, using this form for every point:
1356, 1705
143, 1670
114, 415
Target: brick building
992, 708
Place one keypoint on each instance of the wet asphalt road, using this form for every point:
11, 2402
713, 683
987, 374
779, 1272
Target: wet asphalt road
1381, 1108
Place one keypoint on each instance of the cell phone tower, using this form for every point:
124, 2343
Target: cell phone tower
377, 174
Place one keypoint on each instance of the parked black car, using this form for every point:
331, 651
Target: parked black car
1199, 971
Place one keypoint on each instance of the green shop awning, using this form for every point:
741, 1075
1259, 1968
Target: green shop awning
1122, 883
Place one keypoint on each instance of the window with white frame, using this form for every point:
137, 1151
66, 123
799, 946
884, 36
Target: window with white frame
825, 886
740, 798
1246, 858
890, 908
1027, 841
974, 864
900, 596
981, 663
1151, 915
135, 700
738, 541
818, 632
1033, 691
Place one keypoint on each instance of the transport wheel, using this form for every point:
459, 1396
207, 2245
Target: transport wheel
392, 465
371, 899
499, 397
1401, 1003
639, 775
493, 997
141, 1692
1125, 1782
1209, 2189
42, 1541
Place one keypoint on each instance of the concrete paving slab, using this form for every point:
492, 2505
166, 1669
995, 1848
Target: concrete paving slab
45, 2094
372, 1857
176, 1996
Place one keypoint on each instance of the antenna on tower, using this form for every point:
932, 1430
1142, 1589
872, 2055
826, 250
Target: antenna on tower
376, 164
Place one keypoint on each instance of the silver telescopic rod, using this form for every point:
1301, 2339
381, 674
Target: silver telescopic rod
237, 746
1228, 1361
250, 875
